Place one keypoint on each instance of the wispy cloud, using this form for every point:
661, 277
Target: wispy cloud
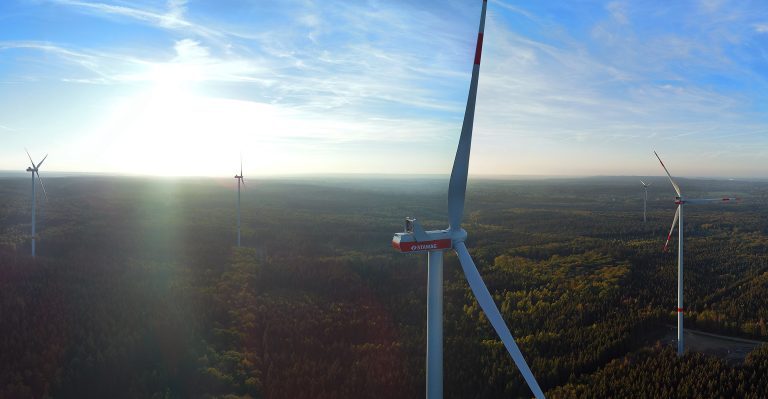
567, 92
171, 18
92, 63
337, 56
190, 61
618, 11
516, 10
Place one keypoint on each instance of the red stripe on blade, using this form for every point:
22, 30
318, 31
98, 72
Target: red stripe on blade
479, 49
679, 310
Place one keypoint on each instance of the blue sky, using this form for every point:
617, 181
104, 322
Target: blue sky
297, 86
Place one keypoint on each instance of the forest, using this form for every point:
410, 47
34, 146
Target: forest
138, 289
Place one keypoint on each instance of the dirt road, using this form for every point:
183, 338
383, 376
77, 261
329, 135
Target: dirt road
732, 349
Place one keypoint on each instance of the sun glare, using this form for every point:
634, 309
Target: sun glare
174, 75
170, 130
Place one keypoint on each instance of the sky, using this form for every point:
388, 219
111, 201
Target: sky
379, 87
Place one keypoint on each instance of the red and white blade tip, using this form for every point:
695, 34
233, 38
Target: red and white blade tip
676, 187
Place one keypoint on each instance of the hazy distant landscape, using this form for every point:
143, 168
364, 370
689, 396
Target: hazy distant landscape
139, 291
123, 276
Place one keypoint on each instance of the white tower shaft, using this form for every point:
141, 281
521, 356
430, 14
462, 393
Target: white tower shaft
238, 212
34, 169
680, 284
645, 203
435, 325
34, 206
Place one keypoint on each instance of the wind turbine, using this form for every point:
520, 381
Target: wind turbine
645, 201
416, 239
34, 169
681, 201
240, 179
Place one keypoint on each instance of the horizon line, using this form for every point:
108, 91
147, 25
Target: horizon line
483, 176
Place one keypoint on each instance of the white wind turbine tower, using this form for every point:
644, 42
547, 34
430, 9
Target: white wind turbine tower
34, 169
435, 242
681, 201
240, 179
645, 200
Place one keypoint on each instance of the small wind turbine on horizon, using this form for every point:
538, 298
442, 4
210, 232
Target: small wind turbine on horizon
35, 171
680, 201
416, 239
645, 200
240, 179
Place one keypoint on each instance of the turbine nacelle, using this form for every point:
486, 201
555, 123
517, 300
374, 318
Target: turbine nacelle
416, 239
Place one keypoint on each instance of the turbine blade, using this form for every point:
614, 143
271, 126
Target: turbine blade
241, 165
494, 316
643, 183
41, 162
458, 184
674, 222
40, 179
711, 200
677, 189
30, 159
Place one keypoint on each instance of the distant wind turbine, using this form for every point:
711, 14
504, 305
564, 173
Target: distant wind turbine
645, 201
435, 242
680, 201
240, 179
35, 171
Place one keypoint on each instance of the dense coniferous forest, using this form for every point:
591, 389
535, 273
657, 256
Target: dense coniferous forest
139, 292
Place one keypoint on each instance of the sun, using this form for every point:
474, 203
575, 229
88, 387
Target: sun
170, 129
